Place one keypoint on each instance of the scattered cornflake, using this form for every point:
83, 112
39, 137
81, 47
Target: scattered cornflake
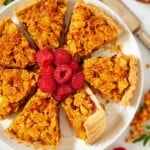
139, 122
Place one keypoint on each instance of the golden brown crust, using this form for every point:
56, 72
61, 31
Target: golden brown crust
115, 78
38, 124
44, 21
90, 27
15, 50
95, 124
132, 80
15, 86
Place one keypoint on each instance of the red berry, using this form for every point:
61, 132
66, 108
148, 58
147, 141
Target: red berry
48, 70
77, 81
44, 57
119, 148
47, 84
61, 57
74, 66
63, 91
62, 74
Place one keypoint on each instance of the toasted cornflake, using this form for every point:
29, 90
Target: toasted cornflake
15, 86
44, 20
115, 78
90, 27
38, 123
15, 50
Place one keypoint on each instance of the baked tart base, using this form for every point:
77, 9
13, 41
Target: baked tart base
85, 115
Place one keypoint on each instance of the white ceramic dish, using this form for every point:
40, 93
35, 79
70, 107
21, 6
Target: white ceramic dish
118, 117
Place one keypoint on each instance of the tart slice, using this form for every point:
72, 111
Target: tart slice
44, 21
90, 27
115, 78
85, 115
15, 86
15, 50
38, 123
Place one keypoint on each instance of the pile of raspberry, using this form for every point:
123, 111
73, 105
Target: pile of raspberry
59, 73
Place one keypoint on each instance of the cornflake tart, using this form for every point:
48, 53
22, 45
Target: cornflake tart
38, 123
15, 50
115, 78
86, 117
39, 83
90, 27
44, 21
16, 86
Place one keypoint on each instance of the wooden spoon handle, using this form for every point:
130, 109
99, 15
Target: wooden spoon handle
144, 37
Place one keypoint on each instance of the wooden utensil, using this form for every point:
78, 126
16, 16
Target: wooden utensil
130, 19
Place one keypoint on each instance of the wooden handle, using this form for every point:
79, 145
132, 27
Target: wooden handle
144, 37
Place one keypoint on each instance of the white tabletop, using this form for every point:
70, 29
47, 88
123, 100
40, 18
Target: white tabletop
143, 13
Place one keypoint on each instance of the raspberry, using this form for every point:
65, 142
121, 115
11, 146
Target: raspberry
47, 84
61, 57
119, 148
62, 74
63, 92
48, 70
77, 81
74, 66
44, 57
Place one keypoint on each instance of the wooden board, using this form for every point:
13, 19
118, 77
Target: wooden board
123, 11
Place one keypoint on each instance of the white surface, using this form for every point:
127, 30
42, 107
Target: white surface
143, 13
145, 53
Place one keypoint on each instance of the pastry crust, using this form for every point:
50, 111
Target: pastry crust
44, 21
38, 124
90, 27
85, 115
16, 86
95, 124
15, 50
115, 78
132, 80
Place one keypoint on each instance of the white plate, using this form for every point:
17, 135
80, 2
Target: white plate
118, 117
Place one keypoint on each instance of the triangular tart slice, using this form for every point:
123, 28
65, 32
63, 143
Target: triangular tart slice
16, 85
44, 21
15, 50
89, 28
85, 115
38, 124
115, 78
